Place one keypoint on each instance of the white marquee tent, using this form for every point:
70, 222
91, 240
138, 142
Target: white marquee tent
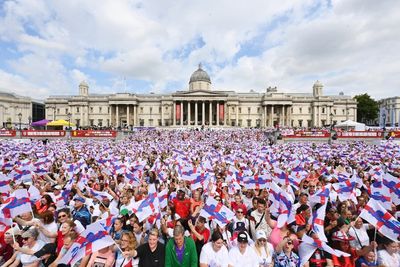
349, 124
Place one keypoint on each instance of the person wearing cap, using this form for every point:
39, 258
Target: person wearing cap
31, 245
284, 255
214, 253
341, 241
242, 254
263, 249
80, 211
180, 250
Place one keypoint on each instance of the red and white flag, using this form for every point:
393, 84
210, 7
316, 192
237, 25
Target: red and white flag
94, 238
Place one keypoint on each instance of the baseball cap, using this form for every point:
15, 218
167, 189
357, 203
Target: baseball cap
49, 248
261, 234
58, 187
78, 198
242, 237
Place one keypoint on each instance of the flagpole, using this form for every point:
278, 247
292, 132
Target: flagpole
375, 252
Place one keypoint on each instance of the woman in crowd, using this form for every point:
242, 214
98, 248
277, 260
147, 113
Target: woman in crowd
31, 245
127, 245
263, 249
214, 253
284, 255
358, 230
389, 255
44, 204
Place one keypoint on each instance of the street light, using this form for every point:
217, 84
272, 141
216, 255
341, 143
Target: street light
20, 118
69, 120
331, 118
384, 121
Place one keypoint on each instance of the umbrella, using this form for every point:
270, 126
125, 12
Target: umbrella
40, 123
60, 123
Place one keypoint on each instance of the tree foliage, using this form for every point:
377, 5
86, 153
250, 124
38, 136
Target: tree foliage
367, 108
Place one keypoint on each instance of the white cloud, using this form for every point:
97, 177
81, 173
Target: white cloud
350, 45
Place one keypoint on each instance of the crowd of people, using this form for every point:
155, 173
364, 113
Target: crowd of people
199, 198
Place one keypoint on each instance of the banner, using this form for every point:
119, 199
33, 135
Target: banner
359, 134
221, 113
42, 133
309, 134
93, 133
178, 112
7, 133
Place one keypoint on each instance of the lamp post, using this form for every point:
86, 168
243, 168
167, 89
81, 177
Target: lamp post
69, 120
20, 118
29, 121
384, 121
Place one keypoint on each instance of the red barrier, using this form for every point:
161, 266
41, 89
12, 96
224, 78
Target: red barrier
42, 133
93, 133
309, 134
8, 133
360, 134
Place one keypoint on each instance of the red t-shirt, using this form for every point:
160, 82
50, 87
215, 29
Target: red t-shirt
205, 233
182, 207
345, 261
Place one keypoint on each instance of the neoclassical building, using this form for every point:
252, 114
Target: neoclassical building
202, 105
19, 111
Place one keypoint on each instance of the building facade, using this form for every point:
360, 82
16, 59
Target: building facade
389, 112
201, 105
17, 111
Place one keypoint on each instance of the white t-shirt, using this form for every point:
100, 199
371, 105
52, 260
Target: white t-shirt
51, 227
249, 258
29, 259
266, 254
384, 258
212, 258
360, 235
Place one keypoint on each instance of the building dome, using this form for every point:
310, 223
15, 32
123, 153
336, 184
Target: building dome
318, 84
83, 83
200, 76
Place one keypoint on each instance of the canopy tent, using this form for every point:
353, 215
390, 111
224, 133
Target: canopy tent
352, 125
40, 123
60, 123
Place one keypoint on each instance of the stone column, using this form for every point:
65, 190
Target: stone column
174, 115
135, 115
210, 114
127, 116
196, 116
117, 117
162, 115
203, 113
283, 115
82, 122
315, 116
181, 113
188, 116
224, 121
217, 113
237, 116
265, 116
272, 116
110, 121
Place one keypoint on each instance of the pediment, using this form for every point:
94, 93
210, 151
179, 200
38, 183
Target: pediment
204, 93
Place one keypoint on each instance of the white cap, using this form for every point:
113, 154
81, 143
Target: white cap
260, 234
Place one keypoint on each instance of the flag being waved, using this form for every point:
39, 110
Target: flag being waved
214, 210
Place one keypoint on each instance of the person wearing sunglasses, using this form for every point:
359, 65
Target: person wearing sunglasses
31, 245
263, 249
284, 255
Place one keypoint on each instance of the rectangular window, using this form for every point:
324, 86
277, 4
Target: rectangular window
100, 123
258, 110
100, 109
91, 109
240, 123
58, 111
249, 123
248, 110
66, 111
91, 122
77, 109
78, 122
300, 110
300, 123
141, 110
240, 110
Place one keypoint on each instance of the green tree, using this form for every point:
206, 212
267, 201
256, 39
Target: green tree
367, 108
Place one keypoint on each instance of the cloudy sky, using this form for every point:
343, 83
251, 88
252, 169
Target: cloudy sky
49, 47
